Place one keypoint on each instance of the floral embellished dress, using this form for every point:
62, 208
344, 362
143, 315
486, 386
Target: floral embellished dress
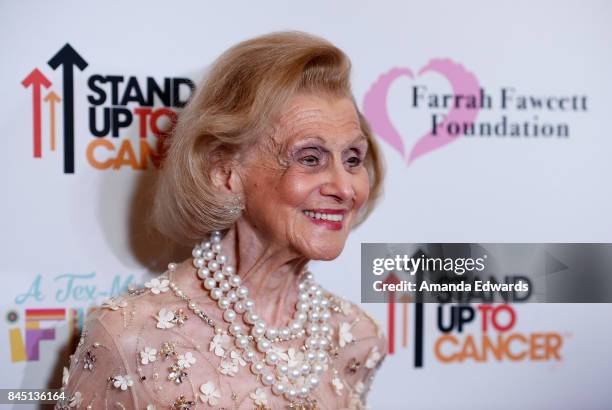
146, 350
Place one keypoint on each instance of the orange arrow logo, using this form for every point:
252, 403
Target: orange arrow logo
52, 98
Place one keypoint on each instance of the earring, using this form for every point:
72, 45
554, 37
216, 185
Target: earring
235, 207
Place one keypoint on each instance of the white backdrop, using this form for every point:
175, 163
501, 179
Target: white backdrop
68, 238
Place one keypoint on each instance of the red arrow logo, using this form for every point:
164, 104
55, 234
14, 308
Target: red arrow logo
36, 79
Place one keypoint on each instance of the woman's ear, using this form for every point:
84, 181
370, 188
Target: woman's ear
225, 176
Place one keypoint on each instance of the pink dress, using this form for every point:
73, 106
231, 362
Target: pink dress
146, 350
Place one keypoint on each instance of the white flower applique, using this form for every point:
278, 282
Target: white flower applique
165, 319
114, 303
148, 355
282, 353
210, 393
75, 400
237, 358
337, 385
219, 344
259, 397
294, 357
344, 334
65, 376
228, 367
373, 358
123, 382
346, 307
186, 360
158, 285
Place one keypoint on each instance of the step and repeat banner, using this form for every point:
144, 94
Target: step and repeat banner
494, 120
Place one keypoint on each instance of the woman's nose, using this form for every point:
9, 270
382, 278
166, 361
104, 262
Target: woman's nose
339, 184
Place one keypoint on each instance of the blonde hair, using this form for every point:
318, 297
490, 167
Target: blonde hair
231, 108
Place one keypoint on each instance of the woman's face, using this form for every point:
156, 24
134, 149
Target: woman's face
304, 187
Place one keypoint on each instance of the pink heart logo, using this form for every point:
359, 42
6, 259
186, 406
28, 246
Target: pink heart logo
376, 110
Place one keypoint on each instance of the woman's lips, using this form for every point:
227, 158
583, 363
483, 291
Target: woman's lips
330, 218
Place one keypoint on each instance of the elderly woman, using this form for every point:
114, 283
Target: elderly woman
269, 166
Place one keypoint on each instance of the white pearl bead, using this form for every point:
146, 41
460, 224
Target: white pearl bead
214, 266
323, 343
313, 315
312, 328
284, 333
306, 368
303, 297
208, 255
294, 373
216, 247
229, 315
235, 281
248, 355
324, 303
279, 388
248, 303
271, 357
263, 345
317, 368
198, 262
304, 391
221, 259
215, 239
272, 333
300, 316
302, 286
325, 315
229, 270
302, 306
218, 276
242, 341
210, 283
225, 286
205, 245
197, 252
251, 317
282, 369
322, 356
239, 307
295, 326
203, 273
242, 292
257, 332
325, 328
311, 343
311, 356
257, 367
313, 381
191, 305
224, 303
232, 296
235, 329
267, 379
216, 293
291, 394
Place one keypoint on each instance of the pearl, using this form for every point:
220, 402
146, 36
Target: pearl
306, 368
282, 369
235, 281
294, 373
302, 286
257, 331
218, 276
325, 316
295, 326
214, 266
302, 306
208, 255
210, 283
321, 356
303, 297
311, 343
284, 333
323, 343
312, 328
317, 368
242, 341
235, 329
272, 333
300, 316
311, 356
215, 239
291, 393
197, 252
248, 303
198, 262
251, 317
267, 379
257, 367
239, 307
232, 296
271, 357
225, 286
324, 303
248, 355
313, 381
229, 315
278, 389
205, 245
172, 266
191, 305
203, 273
229, 270
304, 391
216, 293
242, 292
263, 345
325, 328
216, 247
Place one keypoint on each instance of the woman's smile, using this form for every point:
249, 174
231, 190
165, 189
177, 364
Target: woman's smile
329, 218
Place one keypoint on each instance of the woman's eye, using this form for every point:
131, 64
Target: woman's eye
310, 160
354, 161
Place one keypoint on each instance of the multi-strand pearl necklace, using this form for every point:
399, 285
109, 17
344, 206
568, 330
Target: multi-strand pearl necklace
256, 341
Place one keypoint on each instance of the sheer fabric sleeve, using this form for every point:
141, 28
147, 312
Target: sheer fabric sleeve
98, 376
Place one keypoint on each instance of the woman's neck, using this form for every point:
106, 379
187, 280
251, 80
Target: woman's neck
270, 271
